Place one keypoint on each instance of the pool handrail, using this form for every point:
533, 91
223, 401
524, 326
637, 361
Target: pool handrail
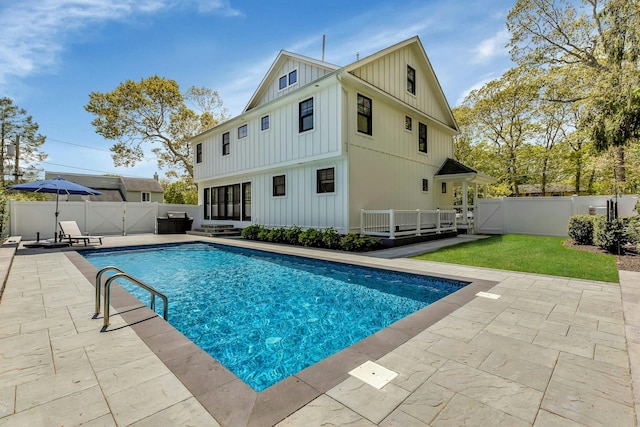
135, 281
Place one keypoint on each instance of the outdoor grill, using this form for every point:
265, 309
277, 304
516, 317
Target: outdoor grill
174, 223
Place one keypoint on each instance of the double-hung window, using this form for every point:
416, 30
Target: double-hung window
264, 123
325, 180
425, 184
411, 80
226, 145
279, 185
365, 115
306, 115
422, 137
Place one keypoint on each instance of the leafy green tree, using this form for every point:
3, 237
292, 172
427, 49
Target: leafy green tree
501, 114
180, 193
154, 111
14, 122
594, 48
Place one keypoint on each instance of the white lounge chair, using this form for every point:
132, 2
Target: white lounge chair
71, 231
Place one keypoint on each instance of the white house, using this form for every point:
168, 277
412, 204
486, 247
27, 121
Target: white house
317, 144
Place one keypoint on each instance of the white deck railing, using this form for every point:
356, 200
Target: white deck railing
393, 223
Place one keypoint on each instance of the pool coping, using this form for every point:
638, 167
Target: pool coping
227, 398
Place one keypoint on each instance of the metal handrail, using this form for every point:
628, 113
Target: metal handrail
135, 281
99, 283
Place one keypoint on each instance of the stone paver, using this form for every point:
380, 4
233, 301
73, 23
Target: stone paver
549, 352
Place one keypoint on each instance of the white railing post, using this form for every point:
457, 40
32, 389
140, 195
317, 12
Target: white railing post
361, 221
438, 221
392, 227
418, 222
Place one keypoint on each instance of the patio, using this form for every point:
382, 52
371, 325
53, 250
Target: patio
548, 351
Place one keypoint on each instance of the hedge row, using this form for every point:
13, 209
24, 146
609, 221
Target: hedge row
608, 235
328, 238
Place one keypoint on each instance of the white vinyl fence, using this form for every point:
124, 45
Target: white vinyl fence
96, 218
544, 216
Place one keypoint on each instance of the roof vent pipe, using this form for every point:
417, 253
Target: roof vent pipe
324, 39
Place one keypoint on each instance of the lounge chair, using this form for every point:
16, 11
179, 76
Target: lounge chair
71, 231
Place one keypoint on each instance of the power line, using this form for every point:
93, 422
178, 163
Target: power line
77, 145
91, 170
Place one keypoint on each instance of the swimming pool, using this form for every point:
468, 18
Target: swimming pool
266, 316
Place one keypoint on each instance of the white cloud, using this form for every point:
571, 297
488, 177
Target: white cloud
477, 85
34, 32
492, 47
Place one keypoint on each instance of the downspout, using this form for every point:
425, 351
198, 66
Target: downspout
345, 126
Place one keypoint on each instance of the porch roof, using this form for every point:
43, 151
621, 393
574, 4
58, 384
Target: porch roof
452, 170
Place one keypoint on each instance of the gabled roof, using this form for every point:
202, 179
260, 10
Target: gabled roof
451, 167
415, 40
456, 171
280, 60
142, 184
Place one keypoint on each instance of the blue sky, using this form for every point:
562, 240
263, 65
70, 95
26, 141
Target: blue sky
53, 53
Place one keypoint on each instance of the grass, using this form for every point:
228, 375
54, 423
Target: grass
530, 254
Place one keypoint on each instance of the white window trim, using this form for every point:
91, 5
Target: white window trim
238, 130
142, 193
286, 76
286, 186
313, 128
415, 80
429, 184
263, 116
404, 125
335, 180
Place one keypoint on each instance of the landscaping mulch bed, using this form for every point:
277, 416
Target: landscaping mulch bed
629, 260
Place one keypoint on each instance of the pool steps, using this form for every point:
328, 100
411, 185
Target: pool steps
215, 230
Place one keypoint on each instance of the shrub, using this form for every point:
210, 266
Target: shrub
311, 237
612, 235
292, 234
251, 232
354, 242
331, 238
276, 235
263, 234
581, 229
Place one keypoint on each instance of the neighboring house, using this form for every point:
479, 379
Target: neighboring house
535, 190
318, 143
115, 188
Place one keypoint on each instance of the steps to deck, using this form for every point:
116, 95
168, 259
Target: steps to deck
215, 230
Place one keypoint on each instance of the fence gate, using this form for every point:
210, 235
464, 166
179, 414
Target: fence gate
489, 216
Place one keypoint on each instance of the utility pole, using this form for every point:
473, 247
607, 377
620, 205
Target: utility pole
16, 173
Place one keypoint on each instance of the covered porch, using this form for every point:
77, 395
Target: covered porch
459, 179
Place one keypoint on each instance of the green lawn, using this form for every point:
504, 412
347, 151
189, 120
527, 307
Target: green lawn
531, 254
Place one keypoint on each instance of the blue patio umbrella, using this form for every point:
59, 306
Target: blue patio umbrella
57, 186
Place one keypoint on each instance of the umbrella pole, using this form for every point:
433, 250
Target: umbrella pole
55, 228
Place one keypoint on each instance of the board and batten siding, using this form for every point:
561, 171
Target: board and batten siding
386, 169
389, 73
307, 73
301, 205
279, 146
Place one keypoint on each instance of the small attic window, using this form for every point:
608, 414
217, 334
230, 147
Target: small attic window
411, 80
288, 80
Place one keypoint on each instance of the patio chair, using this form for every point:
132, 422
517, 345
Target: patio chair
71, 231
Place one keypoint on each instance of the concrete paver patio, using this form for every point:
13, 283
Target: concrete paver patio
550, 351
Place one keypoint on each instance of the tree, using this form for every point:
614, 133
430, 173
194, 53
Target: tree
154, 111
595, 49
14, 123
501, 112
180, 193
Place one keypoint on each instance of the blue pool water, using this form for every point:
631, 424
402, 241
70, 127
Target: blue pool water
267, 316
